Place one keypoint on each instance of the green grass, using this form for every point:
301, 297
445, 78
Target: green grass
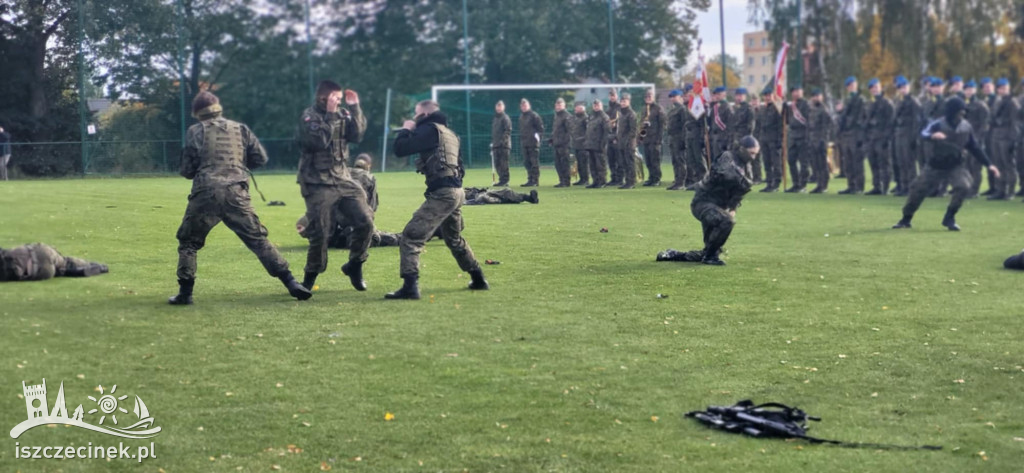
560, 367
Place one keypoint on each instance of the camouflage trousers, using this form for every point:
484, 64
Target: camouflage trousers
716, 223
501, 164
582, 166
880, 161
627, 163
696, 165
498, 196
228, 204
819, 163
563, 166
322, 201
959, 178
443, 208
904, 157
598, 164
799, 159
531, 161
1003, 158
39, 261
614, 167
771, 155
678, 153
853, 161
652, 159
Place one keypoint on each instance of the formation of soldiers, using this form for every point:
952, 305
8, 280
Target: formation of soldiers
816, 138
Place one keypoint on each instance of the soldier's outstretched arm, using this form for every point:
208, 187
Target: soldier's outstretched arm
418, 140
355, 127
189, 165
255, 155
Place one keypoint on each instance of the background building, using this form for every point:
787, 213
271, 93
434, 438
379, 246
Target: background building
757, 61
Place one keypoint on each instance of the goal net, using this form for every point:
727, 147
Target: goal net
470, 111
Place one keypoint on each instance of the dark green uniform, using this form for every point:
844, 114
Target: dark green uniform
819, 128
721, 137
908, 119
770, 137
1004, 138
217, 158
441, 162
578, 132
677, 145
39, 261
798, 152
326, 183
851, 137
480, 196
531, 129
599, 133
978, 117
340, 234
653, 121
714, 205
743, 123
614, 166
626, 131
501, 145
695, 147
561, 138
880, 136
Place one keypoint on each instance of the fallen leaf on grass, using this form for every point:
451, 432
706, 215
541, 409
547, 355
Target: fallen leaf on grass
654, 418
325, 467
959, 381
388, 417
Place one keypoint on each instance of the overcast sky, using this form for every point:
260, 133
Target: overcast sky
736, 15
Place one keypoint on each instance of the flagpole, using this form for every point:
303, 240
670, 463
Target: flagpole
785, 146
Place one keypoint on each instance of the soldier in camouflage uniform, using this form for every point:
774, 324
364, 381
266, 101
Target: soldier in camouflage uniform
988, 95
481, 196
561, 137
851, 138
798, 153
695, 146
908, 119
1004, 137
578, 131
501, 142
770, 137
39, 261
715, 203
531, 129
626, 134
676, 142
325, 130
217, 158
880, 135
599, 133
819, 129
951, 135
978, 117
653, 126
720, 118
440, 160
742, 124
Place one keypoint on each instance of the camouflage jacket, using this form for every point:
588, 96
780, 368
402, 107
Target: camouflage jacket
501, 131
531, 129
561, 135
323, 140
223, 160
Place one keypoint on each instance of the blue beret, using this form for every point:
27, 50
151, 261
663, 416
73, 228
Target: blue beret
1002, 81
687, 88
985, 80
937, 82
873, 82
956, 79
675, 93
901, 81
850, 80
718, 90
971, 84
741, 91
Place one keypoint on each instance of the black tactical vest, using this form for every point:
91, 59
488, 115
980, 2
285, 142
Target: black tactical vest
949, 153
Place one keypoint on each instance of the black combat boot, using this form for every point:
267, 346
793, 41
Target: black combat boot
295, 289
903, 223
354, 271
580, 182
310, 280
711, 258
949, 221
184, 296
533, 198
410, 289
478, 283
91, 269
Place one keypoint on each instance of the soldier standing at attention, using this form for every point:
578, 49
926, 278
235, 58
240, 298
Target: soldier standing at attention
742, 124
907, 120
501, 142
695, 147
851, 129
613, 142
952, 135
820, 131
626, 131
676, 143
561, 137
440, 160
799, 156
978, 117
578, 128
531, 129
652, 127
1019, 147
599, 133
988, 95
715, 203
770, 136
325, 130
217, 158
880, 129
1004, 135
721, 117
39, 261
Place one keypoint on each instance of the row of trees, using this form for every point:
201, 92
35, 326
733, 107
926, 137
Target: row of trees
255, 55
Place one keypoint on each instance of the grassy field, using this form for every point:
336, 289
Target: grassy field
571, 363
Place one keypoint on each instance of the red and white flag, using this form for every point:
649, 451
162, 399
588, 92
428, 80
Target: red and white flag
701, 94
780, 77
